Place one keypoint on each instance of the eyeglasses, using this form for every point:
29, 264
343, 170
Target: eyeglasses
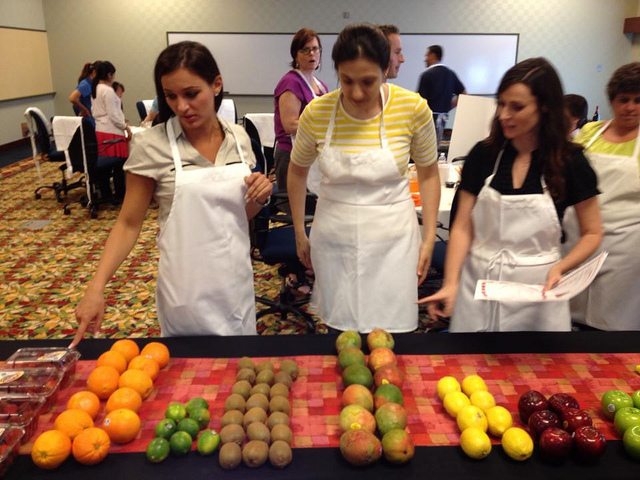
308, 50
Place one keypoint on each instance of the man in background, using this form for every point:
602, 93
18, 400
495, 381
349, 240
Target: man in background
440, 86
396, 59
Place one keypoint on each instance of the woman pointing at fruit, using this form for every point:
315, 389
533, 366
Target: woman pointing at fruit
197, 167
514, 189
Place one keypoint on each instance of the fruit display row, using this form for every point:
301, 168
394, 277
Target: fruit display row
364, 413
624, 410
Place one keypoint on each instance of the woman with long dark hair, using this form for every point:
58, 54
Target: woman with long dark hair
514, 189
197, 167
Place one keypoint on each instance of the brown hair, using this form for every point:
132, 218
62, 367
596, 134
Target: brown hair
299, 40
625, 79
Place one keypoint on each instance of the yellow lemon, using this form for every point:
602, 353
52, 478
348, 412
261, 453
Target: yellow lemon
471, 416
473, 383
454, 401
517, 443
475, 443
499, 419
482, 399
446, 385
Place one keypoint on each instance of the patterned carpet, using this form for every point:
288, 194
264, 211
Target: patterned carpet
47, 257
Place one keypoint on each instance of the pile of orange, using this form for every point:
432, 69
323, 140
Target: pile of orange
124, 377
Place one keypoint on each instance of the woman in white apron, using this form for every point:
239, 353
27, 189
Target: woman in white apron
365, 246
515, 186
292, 94
197, 168
612, 301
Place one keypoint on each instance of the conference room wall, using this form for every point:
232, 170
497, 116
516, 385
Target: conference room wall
27, 14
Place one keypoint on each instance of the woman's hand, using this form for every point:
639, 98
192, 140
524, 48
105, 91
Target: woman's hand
89, 314
441, 303
553, 277
259, 188
303, 249
424, 260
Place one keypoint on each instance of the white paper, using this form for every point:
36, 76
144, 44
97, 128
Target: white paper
568, 287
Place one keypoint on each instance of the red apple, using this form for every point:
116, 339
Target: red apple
530, 402
540, 420
589, 443
559, 402
555, 444
572, 419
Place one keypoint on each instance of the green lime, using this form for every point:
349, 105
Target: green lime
190, 426
180, 443
197, 402
208, 442
158, 450
200, 415
165, 428
175, 411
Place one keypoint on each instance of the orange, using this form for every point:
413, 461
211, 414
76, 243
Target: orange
146, 364
71, 422
126, 347
91, 446
122, 425
158, 351
138, 380
103, 381
114, 359
50, 449
124, 397
85, 400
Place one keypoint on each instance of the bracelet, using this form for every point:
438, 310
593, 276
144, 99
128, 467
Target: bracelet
266, 202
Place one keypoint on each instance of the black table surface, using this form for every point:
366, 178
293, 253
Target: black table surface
326, 463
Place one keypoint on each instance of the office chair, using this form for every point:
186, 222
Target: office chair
143, 107
227, 110
42, 148
259, 127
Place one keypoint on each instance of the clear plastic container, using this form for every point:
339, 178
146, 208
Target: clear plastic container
64, 359
42, 382
21, 410
10, 438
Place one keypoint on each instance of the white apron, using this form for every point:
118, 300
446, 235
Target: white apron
365, 240
612, 301
205, 277
516, 238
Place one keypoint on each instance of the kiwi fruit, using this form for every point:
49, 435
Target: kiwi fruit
246, 362
280, 454
259, 431
255, 414
281, 432
232, 433
280, 404
258, 400
283, 377
246, 374
289, 366
230, 456
279, 390
265, 376
255, 453
232, 417
262, 388
266, 365
242, 387
235, 401
277, 418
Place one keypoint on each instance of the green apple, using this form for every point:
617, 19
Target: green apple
614, 400
625, 418
635, 396
631, 442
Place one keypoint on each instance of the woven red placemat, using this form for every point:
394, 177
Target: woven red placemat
315, 396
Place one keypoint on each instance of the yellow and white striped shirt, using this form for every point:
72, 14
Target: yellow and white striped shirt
408, 123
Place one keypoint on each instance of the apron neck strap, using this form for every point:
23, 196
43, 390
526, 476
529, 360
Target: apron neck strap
495, 169
320, 87
636, 149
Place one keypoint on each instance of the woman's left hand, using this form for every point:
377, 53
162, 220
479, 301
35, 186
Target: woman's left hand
424, 261
553, 277
259, 188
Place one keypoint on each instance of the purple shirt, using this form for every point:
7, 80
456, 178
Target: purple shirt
295, 84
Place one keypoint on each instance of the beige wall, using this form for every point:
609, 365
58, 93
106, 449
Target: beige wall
583, 38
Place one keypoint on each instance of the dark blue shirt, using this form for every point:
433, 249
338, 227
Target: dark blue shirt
439, 84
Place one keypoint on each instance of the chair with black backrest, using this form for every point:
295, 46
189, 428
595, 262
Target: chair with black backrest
43, 149
143, 107
259, 127
273, 242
